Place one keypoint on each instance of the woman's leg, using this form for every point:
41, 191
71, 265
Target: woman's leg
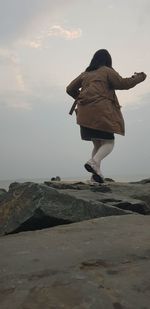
101, 149
97, 144
104, 150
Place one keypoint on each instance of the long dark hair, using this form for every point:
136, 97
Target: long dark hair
100, 58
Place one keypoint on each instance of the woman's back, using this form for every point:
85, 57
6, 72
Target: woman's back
95, 85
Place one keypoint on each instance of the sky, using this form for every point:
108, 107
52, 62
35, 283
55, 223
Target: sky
44, 45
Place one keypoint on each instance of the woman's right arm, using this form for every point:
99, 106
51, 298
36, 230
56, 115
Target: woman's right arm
73, 89
119, 83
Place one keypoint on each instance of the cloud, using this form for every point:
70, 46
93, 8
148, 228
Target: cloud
20, 81
30, 24
10, 55
36, 43
13, 99
21, 17
11, 75
53, 31
59, 31
36, 98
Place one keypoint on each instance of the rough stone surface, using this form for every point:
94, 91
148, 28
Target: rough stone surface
109, 179
132, 197
2, 191
114, 199
97, 264
78, 186
31, 206
143, 181
27, 204
3, 194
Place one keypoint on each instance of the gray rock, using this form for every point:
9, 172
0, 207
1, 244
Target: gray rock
109, 179
143, 181
57, 178
133, 205
101, 188
78, 186
31, 206
3, 194
2, 191
127, 191
132, 197
62, 185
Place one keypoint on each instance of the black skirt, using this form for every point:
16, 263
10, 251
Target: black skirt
89, 134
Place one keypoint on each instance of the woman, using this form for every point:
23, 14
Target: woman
98, 110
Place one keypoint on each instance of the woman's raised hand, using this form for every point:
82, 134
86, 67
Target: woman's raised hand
142, 74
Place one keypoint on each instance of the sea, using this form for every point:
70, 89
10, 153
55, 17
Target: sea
4, 184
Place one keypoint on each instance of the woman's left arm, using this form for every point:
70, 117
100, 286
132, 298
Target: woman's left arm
119, 83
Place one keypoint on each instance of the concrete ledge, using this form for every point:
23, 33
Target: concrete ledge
100, 263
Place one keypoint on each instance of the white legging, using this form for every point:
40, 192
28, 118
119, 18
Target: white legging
101, 149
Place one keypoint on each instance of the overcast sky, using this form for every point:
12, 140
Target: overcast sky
43, 46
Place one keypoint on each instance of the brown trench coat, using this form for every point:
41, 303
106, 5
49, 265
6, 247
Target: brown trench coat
97, 104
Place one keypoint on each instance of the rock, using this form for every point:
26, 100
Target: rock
32, 206
143, 181
109, 179
57, 178
132, 205
127, 191
2, 191
29, 205
67, 185
3, 194
101, 188
78, 186
101, 263
135, 198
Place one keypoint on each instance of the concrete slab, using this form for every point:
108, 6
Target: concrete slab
100, 263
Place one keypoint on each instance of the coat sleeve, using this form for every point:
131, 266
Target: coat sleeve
119, 83
73, 89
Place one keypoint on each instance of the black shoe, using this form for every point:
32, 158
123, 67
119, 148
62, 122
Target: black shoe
98, 178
